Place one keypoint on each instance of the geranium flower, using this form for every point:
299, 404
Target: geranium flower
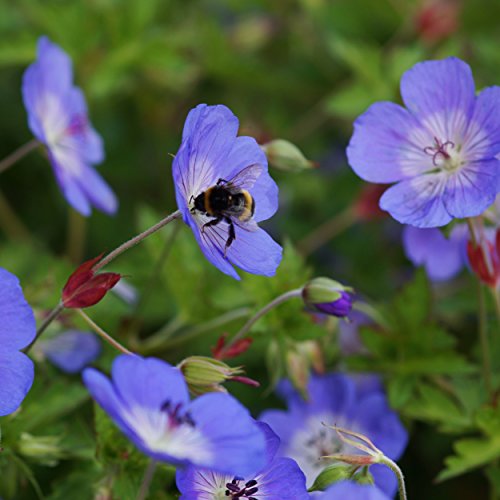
71, 351
440, 151
148, 400
211, 154
17, 330
279, 478
336, 399
57, 116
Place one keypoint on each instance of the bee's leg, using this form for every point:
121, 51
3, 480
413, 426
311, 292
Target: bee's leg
212, 222
232, 235
222, 181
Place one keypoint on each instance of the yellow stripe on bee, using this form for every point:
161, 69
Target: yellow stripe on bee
208, 207
249, 206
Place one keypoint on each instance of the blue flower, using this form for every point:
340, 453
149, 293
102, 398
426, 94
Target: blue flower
443, 258
212, 155
337, 399
17, 330
148, 400
71, 351
279, 478
57, 116
440, 150
348, 490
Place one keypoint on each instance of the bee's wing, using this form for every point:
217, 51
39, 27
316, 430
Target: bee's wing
246, 178
247, 225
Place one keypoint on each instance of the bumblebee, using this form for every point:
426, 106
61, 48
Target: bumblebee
230, 202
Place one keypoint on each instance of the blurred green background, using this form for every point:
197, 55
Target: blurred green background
301, 70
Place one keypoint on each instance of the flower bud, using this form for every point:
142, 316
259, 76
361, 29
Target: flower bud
205, 374
300, 359
285, 156
484, 260
84, 288
333, 474
45, 450
328, 297
221, 351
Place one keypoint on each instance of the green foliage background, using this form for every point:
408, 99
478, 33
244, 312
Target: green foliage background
301, 70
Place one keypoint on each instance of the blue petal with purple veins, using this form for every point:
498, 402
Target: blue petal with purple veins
440, 150
211, 151
279, 478
58, 118
148, 400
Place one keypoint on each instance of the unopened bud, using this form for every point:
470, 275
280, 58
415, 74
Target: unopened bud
285, 156
85, 288
45, 450
328, 297
333, 474
205, 374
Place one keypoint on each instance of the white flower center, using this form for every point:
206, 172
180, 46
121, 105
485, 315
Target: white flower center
162, 434
313, 441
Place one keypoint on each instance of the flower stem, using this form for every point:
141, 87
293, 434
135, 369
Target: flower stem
46, 322
146, 480
326, 231
19, 153
399, 474
496, 300
155, 342
77, 229
483, 337
102, 333
136, 239
274, 303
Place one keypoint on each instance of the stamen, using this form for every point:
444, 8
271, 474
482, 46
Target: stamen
235, 491
439, 149
175, 416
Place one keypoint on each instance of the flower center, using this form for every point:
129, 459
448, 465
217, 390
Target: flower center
445, 154
175, 416
235, 490
77, 125
322, 443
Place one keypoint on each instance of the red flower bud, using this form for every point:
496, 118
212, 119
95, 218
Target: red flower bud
84, 288
220, 351
437, 19
485, 260
366, 205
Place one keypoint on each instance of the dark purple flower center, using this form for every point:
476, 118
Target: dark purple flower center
234, 490
77, 125
439, 151
176, 416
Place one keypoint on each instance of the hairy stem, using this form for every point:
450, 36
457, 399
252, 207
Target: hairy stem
483, 337
146, 480
399, 474
136, 239
274, 303
106, 337
45, 323
154, 343
19, 153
